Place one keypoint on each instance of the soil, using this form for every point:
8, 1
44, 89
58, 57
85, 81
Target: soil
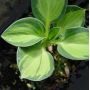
11, 10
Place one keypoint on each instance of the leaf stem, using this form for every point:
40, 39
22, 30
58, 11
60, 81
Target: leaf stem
47, 27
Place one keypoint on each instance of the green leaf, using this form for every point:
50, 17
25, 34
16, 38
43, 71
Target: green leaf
75, 44
47, 10
54, 33
35, 63
74, 17
24, 32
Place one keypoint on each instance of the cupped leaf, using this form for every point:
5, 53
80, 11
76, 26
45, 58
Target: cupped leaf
75, 44
74, 17
24, 32
47, 10
35, 63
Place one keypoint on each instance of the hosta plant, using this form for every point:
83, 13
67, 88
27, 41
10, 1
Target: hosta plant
54, 23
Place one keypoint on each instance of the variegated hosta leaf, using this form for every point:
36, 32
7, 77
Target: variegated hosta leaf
35, 63
75, 44
47, 10
74, 17
24, 32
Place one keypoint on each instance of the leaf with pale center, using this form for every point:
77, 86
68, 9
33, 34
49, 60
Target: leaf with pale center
35, 63
47, 10
24, 32
75, 44
74, 17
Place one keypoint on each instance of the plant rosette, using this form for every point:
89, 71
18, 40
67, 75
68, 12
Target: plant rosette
55, 23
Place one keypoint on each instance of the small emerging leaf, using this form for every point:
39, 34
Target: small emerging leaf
54, 33
24, 32
75, 44
74, 17
35, 63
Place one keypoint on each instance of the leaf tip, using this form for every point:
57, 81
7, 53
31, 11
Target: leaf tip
2, 36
